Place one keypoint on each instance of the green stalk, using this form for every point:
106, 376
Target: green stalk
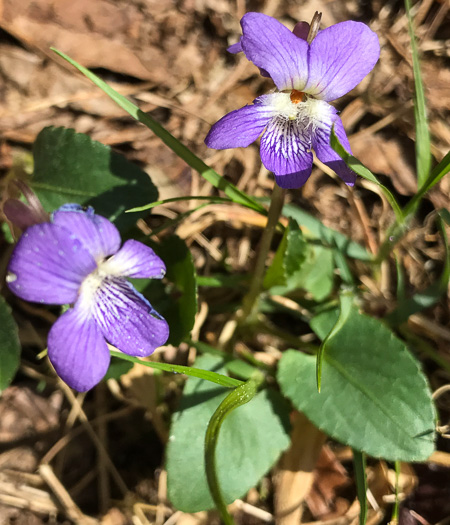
239, 396
359, 461
250, 300
395, 510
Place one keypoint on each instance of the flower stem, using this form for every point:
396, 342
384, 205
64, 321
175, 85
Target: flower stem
236, 398
249, 303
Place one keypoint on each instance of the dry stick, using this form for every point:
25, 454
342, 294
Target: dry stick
162, 497
58, 467
98, 444
361, 211
65, 440
72, 511
82, 484
103, 479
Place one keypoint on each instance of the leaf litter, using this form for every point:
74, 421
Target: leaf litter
169, 57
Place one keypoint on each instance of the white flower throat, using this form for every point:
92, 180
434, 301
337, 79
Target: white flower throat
307, 111
95, 280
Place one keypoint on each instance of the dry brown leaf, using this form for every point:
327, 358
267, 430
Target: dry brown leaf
96, 34
387, 156
329, 475
294, 478
24, 414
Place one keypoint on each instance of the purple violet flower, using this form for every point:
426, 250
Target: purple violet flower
297, 118
76, 258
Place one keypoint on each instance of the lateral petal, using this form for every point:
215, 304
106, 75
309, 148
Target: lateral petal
77, 349
127, 320
326, 154
272, 47
135, 259
48, 265
98, 234
340, 56
286, 152
241, 127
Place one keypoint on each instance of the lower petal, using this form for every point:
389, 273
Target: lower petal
285, 151
78, 350
241, 127
127, 320
328, 156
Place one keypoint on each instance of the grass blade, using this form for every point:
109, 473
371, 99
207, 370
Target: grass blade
174, 144
423, 148
210, 199
359, 462
207, 375
354, 164
435, 176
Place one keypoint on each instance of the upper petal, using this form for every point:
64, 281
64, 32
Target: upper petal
135, 259
127, 320
339, 58
77, 349
326, 154
98, 234
301, 29
285, 150
241, 127
272, 47
48, 265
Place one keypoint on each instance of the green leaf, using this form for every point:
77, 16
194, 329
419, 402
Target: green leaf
354, 164
423, 147
251, 440
117, 368
181, 308
7, 233
175, 145
71, 167
288, 258
374, 396
234, 366
323, 322
316, 274
221, 281
314, 229
9, 346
